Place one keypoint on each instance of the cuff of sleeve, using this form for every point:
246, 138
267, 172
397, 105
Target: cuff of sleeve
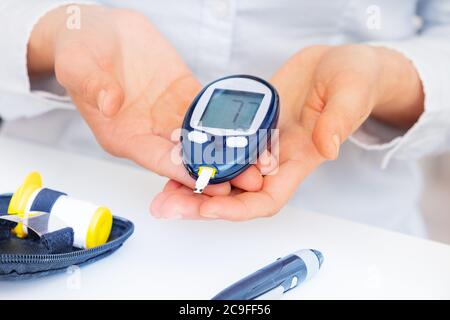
430, 132
14, 106
18, 20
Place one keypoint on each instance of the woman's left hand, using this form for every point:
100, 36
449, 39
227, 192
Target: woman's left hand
326, 93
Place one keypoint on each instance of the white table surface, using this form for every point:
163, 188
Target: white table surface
180, 259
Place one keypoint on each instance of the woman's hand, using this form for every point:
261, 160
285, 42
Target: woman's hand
126, 80
326, 93
352, 82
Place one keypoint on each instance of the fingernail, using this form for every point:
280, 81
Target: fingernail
101, 100
337, 144
209, 215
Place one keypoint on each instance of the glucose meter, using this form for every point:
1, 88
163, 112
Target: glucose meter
228, 125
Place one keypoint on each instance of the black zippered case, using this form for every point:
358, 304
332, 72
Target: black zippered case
33, 257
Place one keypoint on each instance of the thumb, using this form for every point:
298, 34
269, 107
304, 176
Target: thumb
80, 74
343, 112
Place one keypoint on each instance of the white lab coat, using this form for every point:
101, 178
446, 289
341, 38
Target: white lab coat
375, 180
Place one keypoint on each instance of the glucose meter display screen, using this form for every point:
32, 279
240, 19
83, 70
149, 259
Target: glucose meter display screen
231, 109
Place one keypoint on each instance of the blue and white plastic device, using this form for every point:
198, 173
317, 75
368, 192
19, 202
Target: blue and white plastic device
227, 127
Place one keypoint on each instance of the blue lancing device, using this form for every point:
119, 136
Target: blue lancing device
276, 278
228, 125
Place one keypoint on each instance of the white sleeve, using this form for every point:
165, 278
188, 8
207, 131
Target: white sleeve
429, 51
17, 97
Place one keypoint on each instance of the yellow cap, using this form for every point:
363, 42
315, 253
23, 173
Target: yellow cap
20, 199
99, 228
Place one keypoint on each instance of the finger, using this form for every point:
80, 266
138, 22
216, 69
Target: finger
162, 156
178, 203
248, 205
241, 205
267, 163
171, 187
300, 158
156, 203
250, 180
78, 71
237, 206
344, 111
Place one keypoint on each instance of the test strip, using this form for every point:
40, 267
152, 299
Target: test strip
205, 174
